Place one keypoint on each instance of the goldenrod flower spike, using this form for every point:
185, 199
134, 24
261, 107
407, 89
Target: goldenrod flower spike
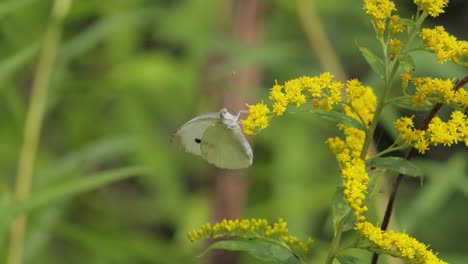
433, 7
379, 11
322, 91
252, 229
446, 46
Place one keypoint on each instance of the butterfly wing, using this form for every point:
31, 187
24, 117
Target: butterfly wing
226, 146
189, 136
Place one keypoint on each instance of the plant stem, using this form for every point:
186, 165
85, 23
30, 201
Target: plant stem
318, 40
334, 247
388, 84
33, 125
408, 156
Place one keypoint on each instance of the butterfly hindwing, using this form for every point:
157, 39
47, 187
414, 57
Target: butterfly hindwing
226, 146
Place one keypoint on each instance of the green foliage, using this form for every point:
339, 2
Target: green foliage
107, 185
265, 251
396, 164
374, 61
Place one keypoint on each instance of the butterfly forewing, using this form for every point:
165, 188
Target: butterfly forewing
189, 136
226, 147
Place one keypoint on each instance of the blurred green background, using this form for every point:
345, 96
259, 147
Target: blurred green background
130, 72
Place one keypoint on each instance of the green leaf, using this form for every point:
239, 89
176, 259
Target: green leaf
346, 259
98, 31
406, 22
341, 118
396, 164
8, 7
374, 62
10, 65
260, 249
407, 103
342, 216
409, 23
85, 157
66, 190
407, 62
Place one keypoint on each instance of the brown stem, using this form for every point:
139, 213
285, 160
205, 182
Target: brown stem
245, 21
408, 156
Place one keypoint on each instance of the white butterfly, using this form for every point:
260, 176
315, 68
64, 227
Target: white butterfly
216, 137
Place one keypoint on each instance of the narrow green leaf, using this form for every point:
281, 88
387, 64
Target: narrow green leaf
260, 249
346, 259
342, 216
407, 103
66, 190
374, 62
407, 62
14, 62
406, 22
340, 118
85, 157
8, 7
396, 164
98, 31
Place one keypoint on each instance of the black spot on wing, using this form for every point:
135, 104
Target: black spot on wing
197, 140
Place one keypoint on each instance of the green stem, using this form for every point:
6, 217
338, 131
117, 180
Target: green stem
33, 125
389, 77
388, 150
381, 101
335, 244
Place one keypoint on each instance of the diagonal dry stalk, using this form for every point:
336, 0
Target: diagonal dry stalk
33, 124
408, 156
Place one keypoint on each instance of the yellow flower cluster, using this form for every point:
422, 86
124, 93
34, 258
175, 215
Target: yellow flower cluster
397, 244
321, 90
433, 7
405, 78
360, 105
438, 90
379, 11
395, 45
360, 102
438, 132
252, 229
257, 119
395, 25
446, 46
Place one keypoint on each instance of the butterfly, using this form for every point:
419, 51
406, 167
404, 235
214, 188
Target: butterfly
217, 138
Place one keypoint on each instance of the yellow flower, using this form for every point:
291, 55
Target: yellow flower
257, 119
438, 90
279, 99
432, 7
446, 46
363, 101
395, 26
252, 229
395, 45
397, 244
451, 132
355, 183
321, 90
405, 77
379, 11
293, 89
438, 132
422, 145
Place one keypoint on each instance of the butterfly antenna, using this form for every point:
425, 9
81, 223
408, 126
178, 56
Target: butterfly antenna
240, 112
